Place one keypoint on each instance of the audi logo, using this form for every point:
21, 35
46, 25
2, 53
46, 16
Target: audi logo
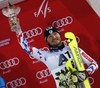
9, 63
62, 22
91, 79
78, 39
33, 32
16, 83
43, 74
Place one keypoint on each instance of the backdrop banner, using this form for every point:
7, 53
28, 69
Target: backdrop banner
21, 70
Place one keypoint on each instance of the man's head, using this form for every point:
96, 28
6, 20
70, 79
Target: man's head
52, 36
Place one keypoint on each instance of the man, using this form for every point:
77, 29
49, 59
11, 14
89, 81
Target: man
58, 55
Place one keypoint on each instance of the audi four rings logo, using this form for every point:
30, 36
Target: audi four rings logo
62, 22
43, 74
9, 63
16, 83
33, 32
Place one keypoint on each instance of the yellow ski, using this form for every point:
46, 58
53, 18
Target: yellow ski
71, 39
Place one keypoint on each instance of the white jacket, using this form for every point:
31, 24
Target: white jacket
57, 58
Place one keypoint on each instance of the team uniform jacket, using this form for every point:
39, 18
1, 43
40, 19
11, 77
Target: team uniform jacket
56, 58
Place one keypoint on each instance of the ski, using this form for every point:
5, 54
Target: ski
72, 42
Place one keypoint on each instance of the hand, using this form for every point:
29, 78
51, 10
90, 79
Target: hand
82, 75
11, 23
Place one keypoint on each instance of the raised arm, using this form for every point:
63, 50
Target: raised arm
36, 53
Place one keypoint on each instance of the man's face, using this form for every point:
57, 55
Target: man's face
54, 39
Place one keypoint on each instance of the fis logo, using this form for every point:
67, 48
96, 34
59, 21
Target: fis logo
46, 9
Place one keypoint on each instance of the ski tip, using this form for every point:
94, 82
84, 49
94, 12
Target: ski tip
68, 34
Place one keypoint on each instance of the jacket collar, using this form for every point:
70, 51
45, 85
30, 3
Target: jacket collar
54, 48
